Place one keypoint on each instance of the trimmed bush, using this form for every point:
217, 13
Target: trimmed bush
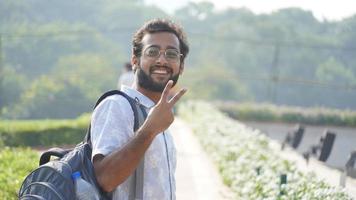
16, 163
249, 162
43, 132
273, 113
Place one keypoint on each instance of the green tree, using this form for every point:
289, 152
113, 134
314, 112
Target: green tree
69, 90
91, 73
211, 82
13, 84
332, 71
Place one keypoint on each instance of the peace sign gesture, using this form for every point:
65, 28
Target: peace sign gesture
161, 115
172, 101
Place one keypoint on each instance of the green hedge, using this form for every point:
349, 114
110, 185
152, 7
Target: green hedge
273, 113
43, 132
15, 165
249, 162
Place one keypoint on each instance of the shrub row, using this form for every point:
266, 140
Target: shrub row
43, 132
16, 163
249, 162
273, 113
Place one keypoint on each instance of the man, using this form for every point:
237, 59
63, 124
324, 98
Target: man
159, 50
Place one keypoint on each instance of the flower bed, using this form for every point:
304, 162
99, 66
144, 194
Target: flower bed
248, 162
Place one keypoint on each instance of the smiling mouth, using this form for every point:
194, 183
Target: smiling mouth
161, 71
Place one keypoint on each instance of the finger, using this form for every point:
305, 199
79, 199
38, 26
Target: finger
166, 90
177, 96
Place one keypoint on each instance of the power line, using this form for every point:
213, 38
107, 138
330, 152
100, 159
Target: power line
281, 43
285, 79
1, 72
65, 33
273, 78
252, 41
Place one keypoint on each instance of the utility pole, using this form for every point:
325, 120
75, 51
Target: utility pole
1, 75
274, 78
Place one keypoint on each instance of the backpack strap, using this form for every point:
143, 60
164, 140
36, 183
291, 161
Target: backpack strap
136, 192
129, 99
57, 152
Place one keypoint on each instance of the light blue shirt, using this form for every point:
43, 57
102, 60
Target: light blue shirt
112, 127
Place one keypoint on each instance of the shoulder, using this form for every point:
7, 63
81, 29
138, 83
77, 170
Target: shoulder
112, 124
115, 105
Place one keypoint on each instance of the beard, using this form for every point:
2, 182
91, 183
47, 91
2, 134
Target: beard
146, 81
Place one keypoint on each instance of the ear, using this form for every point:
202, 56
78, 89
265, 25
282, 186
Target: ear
134, 62
181, 68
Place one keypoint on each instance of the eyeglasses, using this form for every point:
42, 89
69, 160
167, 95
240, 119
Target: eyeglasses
154, 52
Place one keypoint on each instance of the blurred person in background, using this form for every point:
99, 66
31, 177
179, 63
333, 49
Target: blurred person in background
127, 76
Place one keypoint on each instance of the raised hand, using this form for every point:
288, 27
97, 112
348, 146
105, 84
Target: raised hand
161, 115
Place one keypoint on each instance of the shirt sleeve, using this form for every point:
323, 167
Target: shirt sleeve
111, 125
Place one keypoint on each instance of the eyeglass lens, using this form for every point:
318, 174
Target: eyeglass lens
155, 52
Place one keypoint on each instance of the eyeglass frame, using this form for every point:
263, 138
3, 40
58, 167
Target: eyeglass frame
160, 52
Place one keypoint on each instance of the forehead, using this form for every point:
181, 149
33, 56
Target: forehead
162, 39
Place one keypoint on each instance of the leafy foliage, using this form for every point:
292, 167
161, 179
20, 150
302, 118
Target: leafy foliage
73, 52
16, 163
43, 132
273, 113
13, 84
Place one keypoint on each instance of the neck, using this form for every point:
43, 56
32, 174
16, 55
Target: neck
154, 96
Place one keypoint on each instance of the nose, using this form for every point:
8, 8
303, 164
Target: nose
161, 58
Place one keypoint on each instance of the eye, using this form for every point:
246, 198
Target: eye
172, 54
152, 51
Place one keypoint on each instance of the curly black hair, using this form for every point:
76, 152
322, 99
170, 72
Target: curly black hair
160, 25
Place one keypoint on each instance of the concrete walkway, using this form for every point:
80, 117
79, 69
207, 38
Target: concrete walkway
196, 176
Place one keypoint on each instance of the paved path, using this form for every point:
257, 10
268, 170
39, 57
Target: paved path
197, 178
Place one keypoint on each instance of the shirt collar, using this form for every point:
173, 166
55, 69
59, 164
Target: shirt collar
145, 101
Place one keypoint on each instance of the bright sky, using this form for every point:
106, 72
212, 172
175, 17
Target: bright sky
328, 9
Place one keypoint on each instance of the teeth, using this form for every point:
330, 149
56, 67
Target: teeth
160, 71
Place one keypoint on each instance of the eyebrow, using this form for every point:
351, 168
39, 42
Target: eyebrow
168, 47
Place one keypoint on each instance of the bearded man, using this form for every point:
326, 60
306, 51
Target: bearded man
158, 53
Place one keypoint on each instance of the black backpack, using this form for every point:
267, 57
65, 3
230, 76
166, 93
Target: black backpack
52, 179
